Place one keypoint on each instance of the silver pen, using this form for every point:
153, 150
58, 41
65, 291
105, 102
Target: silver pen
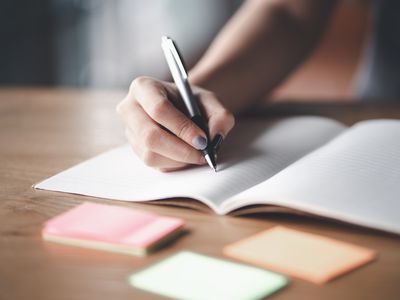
180, 77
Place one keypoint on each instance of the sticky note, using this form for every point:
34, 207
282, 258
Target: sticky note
111, 228
304, 255
188, 275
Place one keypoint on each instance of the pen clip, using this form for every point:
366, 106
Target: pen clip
179, 75
172, 52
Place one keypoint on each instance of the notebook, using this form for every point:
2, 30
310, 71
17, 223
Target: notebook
111, 228
300, 254
310, 164
188, 275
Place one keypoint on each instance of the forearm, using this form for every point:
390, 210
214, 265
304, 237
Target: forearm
259, 47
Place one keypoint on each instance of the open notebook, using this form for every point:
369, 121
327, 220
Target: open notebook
311, 164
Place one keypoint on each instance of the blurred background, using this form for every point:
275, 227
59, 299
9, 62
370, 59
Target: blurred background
104, 44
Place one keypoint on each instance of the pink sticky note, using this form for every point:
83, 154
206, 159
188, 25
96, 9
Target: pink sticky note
110, 228
304, 255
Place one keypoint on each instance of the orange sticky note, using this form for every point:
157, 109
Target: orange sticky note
303, 255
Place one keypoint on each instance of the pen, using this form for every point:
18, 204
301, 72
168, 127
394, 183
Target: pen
178, 72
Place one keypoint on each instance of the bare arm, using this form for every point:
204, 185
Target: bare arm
262, 43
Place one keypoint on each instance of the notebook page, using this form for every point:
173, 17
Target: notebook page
354, 178
255, 151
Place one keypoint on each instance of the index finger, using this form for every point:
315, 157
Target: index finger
153, 98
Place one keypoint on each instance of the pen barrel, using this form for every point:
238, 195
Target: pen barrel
188, 97
209, 150
200, 122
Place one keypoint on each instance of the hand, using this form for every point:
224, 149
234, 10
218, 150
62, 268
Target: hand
160, 133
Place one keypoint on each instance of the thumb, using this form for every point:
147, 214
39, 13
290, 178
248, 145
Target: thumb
220, 120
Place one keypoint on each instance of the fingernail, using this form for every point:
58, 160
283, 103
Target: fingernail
200, 143
217, 141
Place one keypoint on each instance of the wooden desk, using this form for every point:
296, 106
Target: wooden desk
45, 131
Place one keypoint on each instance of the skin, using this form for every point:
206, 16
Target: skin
257, 49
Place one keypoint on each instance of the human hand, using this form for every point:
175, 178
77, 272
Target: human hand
158, 130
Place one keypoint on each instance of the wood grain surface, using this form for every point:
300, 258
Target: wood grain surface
43, 131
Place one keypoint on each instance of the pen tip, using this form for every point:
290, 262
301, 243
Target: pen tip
211, 163
215, 167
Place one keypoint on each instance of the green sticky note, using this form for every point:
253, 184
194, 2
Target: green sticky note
189, 275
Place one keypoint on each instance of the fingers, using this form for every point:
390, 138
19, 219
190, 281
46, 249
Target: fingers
163, 136
220, 120
148, 137
153, 159
153, 98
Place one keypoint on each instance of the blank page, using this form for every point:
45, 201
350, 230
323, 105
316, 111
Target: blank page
354, 178
255, 151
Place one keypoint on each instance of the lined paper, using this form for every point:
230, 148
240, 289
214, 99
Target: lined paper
353, 178
254, 152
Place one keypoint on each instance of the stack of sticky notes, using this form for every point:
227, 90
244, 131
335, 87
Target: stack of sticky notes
303, 255
112, 228
188, 275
